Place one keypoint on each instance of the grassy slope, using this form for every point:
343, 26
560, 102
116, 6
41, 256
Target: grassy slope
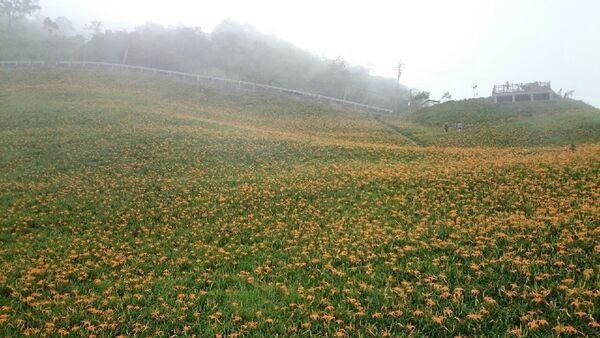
518, 124
130, 205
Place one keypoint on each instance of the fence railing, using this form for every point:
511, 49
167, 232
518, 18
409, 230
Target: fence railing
195, 77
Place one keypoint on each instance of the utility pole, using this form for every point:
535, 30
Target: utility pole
399, 67
124, 60
126, 53
474, 86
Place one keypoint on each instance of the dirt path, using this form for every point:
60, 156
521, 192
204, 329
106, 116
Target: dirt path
396, 130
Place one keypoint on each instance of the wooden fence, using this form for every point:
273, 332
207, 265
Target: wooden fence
194, 77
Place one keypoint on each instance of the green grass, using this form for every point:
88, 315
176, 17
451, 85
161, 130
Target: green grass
136, 205
516, 124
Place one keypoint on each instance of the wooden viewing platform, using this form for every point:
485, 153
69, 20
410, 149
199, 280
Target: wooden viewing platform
519, 92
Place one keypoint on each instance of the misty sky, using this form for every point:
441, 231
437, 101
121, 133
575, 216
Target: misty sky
445, 45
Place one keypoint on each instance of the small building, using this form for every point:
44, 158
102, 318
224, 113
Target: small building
429, 103
423, 103
523, 92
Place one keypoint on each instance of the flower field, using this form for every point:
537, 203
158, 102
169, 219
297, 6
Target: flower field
136, 207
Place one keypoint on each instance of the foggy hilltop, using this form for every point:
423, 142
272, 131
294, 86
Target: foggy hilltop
445, 47
231, 50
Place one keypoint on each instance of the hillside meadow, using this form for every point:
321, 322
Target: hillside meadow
133, 205
486, 124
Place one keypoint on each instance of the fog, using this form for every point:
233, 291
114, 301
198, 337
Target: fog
444, 45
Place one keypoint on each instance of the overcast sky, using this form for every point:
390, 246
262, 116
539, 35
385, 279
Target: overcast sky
445, 45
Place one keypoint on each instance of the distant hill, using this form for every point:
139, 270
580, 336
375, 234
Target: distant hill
121, 99
486, 124
514, 124
231, 50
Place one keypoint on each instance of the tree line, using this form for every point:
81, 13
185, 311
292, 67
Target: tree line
231, 50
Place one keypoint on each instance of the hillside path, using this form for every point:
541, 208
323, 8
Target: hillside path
396, 130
